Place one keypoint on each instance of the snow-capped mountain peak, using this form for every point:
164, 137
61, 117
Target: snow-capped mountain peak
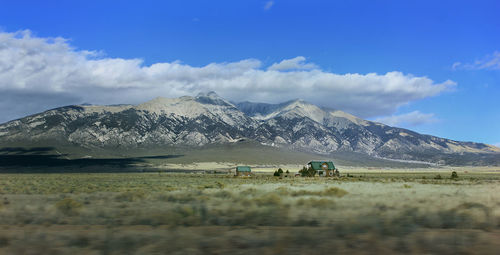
210, 119
190, 107
291, 108
212, 98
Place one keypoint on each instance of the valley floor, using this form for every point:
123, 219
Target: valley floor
371, 211
294, 168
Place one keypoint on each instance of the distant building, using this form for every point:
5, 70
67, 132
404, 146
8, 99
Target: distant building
243, 171
323, 168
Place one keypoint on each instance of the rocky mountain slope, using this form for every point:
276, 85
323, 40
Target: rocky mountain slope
209, 119
304, 125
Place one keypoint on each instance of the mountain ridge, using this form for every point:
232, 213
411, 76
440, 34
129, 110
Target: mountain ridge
210, 119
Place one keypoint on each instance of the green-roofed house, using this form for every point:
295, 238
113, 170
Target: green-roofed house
323, 168
243, 171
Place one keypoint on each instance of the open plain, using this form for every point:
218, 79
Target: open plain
363, 211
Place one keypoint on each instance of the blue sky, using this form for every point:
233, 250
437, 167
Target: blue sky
452, 47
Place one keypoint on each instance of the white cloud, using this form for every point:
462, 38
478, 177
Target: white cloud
40, 73
268, 5
489, 62
297, 63
456, 65
411, 119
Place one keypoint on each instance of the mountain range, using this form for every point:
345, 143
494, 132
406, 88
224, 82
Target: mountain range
208, 119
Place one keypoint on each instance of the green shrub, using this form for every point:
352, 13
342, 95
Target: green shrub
183, 197
307, 172
303, 172
334, 191
250, 191
315, 203
130, 196
220, 185
282, 191
223, 194
268, 199
183, 215
69, 207
278, 172
454, 175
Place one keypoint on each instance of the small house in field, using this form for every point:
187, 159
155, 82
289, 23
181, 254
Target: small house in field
323, 168
243, 171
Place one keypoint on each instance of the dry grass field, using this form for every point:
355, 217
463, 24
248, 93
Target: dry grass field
368, 211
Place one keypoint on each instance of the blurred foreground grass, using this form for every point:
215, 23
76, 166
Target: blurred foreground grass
159, 213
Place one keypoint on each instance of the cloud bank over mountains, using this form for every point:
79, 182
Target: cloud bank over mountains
297, 63
411, 119
39, 73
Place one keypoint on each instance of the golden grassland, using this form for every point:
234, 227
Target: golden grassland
366, 211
